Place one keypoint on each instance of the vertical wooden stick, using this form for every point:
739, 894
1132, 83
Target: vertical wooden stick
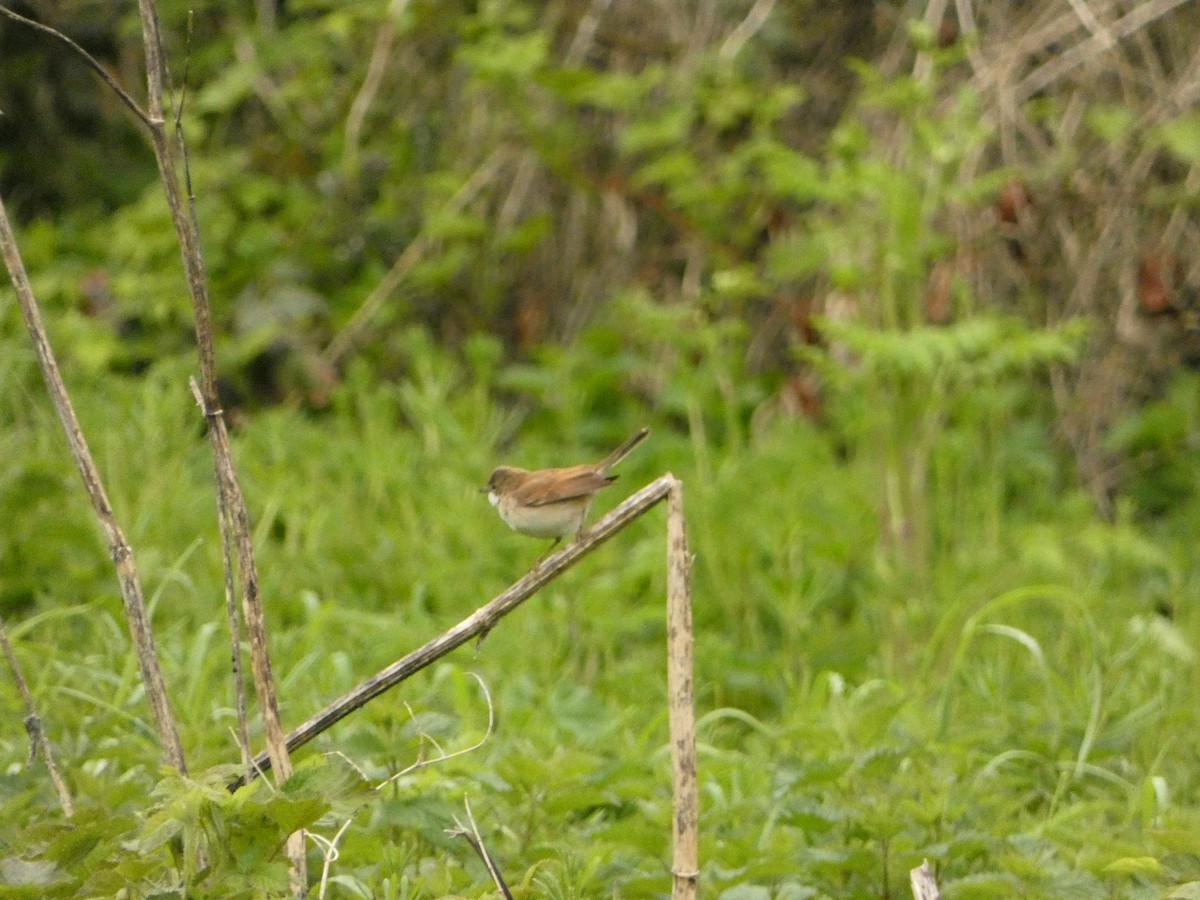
924, 885
226, 527
229, 492
685, 864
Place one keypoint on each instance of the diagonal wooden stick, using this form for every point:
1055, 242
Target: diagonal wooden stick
118, 548
478, 623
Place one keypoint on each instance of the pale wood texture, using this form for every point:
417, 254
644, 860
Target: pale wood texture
685, 864
924, 886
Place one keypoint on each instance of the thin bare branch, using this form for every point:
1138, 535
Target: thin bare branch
329, 846
380, 55
966, 16
224, 521
119, 549
232, 509
746, 29
585, 33
1058, 66
935, 11
471, 834
1091, 22
443, 755
38, 740
1040, 40
91, 61
230, 499
242, 734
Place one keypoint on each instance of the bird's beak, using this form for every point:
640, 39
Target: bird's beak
483, 490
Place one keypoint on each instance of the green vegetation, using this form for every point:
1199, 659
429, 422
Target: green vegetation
1023, 714
925, 626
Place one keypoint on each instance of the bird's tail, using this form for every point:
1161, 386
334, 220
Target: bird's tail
621, 452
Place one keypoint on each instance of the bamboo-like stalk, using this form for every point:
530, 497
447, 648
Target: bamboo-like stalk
118, 548
685, 864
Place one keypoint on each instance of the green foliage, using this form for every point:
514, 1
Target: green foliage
938, 409
1161, 443
1028, 739
193, 838
687, 359
915, 639
932, 404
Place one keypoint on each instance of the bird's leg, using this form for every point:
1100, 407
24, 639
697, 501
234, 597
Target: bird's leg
537, 565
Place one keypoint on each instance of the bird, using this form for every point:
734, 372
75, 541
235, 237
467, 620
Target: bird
553, 503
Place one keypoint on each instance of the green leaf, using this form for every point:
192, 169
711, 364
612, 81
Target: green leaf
1111, 122
1182, 137
1146, 866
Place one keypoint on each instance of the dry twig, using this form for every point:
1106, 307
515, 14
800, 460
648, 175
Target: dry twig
38, 741
224, 523
442, 756
1053, 69
370, 87
91, 61
472, 837
242, 734
119, 549
329, 846
235, 520
746, 29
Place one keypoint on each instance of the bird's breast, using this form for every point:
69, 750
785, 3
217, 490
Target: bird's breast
550, 520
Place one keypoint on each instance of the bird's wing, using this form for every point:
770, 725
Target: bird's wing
558, 485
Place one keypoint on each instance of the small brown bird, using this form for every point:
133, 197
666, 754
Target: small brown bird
553, 503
